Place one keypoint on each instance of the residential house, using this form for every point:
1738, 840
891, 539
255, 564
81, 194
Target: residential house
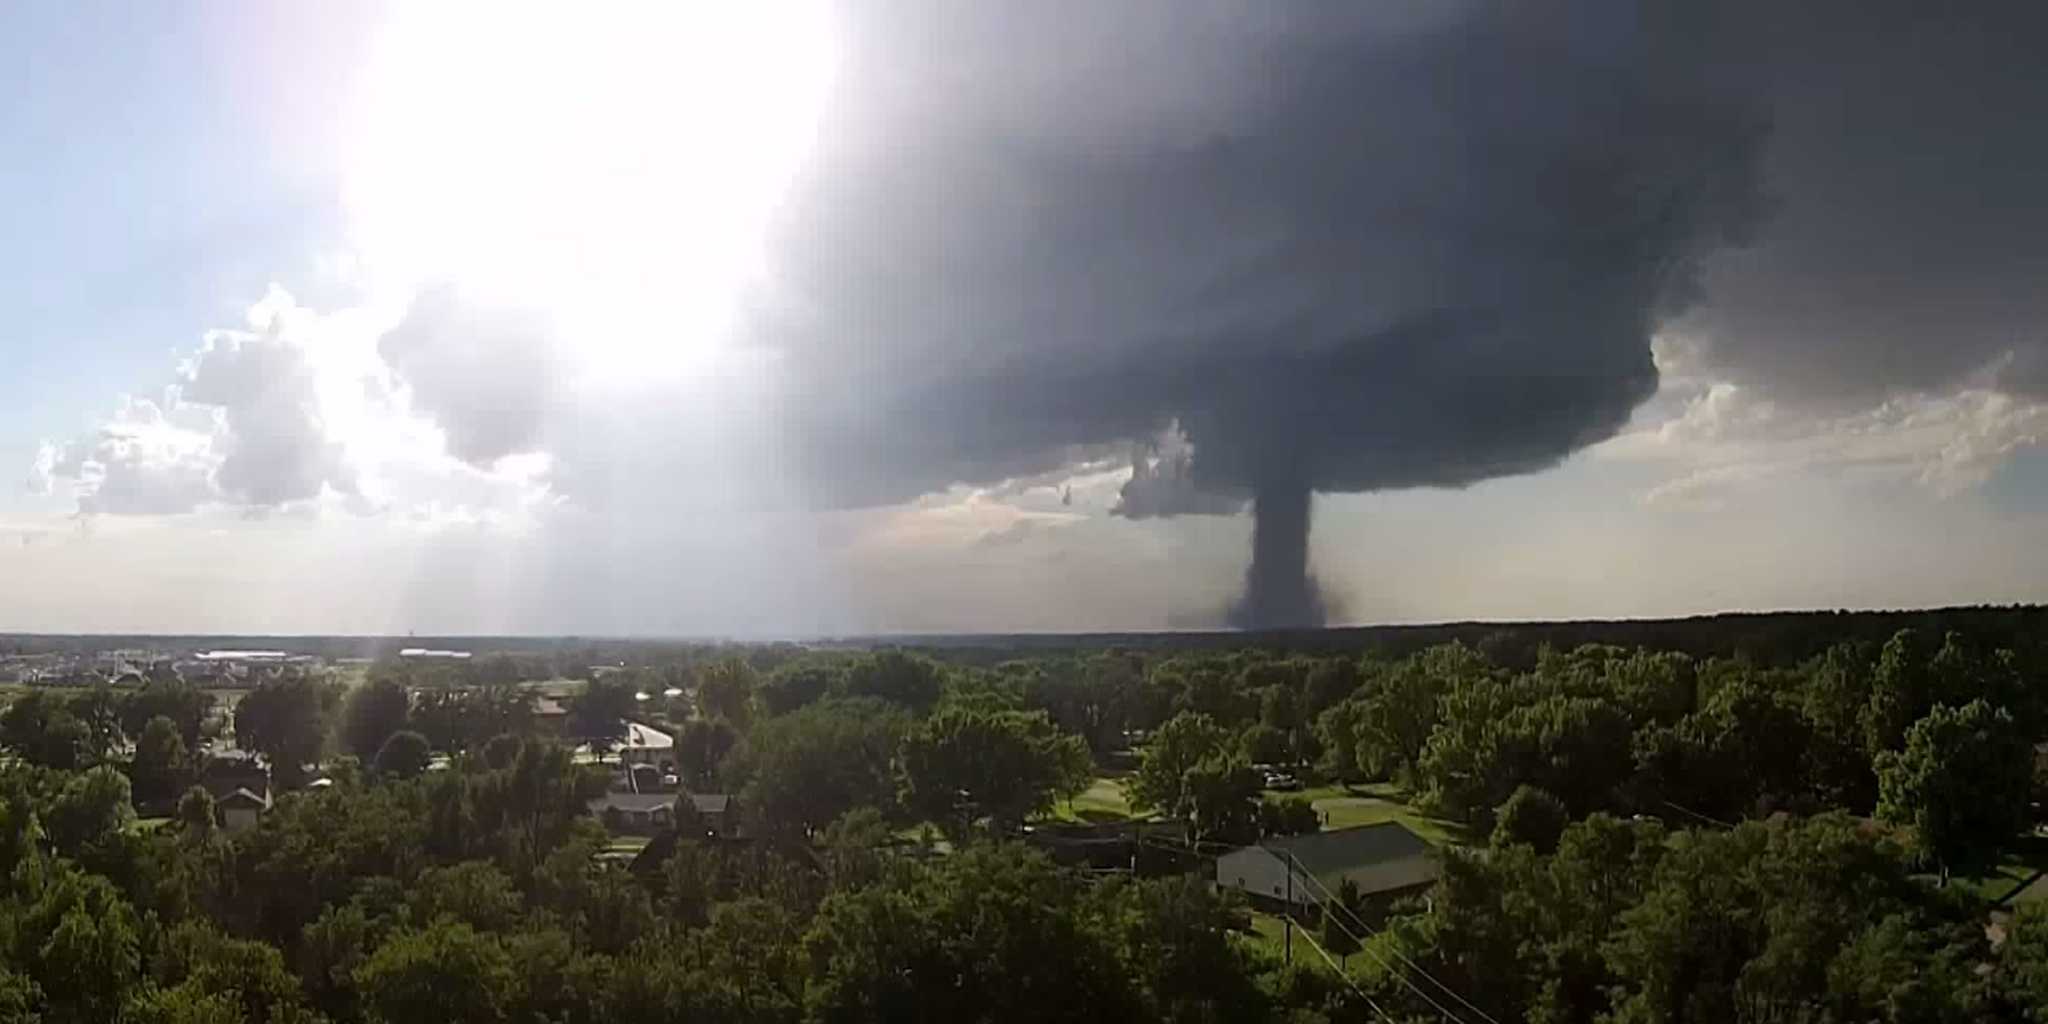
550, 716
240, 787
652, 813
1383, 860
646, 745
636, 813
241, 809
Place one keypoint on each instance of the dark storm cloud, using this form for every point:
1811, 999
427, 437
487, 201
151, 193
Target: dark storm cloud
1909, 246
1345, 248
1345, 252
1350, 247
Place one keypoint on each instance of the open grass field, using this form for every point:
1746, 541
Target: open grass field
1102, 801
2021, 876
1372, 803
1343, 806
626, 845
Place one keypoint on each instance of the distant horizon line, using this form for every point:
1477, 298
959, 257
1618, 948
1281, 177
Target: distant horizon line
1167, 631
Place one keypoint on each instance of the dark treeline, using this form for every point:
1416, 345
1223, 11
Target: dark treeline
1648, 835
1771, 638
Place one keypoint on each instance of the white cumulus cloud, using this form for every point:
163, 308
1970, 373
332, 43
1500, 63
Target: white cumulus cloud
295, 412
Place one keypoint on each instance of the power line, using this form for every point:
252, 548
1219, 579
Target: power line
1696, 814
1291, 863
1329, 900
1345, 975
1294, 865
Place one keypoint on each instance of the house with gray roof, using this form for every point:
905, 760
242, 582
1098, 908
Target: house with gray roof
648, 813
1381, 860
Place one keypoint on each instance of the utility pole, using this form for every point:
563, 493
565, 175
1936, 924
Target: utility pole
1287, 864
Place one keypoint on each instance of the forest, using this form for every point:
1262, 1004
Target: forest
1839, 831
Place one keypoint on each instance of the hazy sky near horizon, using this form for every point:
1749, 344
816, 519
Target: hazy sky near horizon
798, 318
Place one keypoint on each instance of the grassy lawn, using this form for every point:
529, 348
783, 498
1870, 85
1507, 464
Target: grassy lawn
1268, 935
148, 824
1368, 804
627, 844
1103, 800
1372, 803
2018, 877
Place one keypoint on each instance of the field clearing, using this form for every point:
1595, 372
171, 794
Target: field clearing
1343, 807
626, 845
1102, 801
1347, 806
2021, 875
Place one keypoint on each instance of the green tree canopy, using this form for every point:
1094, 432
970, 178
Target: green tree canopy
446, 971
1961, 783
908, 680
404, 755
806, 768
371, 714
175, 699
287, 721
161, 768
960, 765
797, 683
725, 690
40, 730
1184, 741
597, 716
1530, 816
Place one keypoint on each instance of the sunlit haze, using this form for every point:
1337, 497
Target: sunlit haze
807, 316
613, 164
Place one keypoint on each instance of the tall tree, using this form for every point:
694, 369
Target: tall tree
804, 769
1530, 816
404, 755
444, 972
1186, 740
1222, 797
40, 730
286, 720
162, 768
701, 746
465, 719
373, 712
909, 680
725, 689
1342, 921
961, 765
1901, 691
797, 683
1330, 680
597, 716
100, 712
93, 806
1961, 783
1396, 715
175, 699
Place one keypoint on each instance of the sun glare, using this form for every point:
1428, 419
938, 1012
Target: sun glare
615, 163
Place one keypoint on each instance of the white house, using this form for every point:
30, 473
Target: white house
1380, 859
645, 745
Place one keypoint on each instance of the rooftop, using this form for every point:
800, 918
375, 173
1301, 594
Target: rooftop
1341, 849
641, 737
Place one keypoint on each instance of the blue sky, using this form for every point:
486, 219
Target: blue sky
340, 318
156, 183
